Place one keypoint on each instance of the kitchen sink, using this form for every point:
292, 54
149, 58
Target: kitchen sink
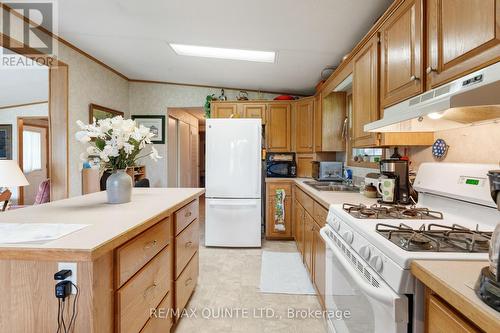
332, 186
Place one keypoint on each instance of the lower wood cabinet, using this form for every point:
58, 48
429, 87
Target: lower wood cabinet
185, 283
160, 320
309, 218
442, 318
276, 230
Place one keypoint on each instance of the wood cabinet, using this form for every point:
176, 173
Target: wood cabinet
224, 110
299, 226
462, 36
331, 126
365, 95
318, 124
401, 59
304, 165
308, 242
254, 110
442, 318
304, 125
319, 253
273, 229
278, 127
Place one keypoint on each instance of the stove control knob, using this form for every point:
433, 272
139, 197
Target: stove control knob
377, 263
365, 252
336, 224
348, 236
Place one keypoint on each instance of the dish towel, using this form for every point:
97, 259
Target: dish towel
279, 210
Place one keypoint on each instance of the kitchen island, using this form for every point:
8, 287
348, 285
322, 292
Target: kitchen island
130, 258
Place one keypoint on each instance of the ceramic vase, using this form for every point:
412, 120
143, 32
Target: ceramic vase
119, 187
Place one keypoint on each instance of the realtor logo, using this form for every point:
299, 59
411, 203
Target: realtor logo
27, 24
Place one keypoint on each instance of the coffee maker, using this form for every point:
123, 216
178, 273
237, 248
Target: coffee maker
398, 170
488, 285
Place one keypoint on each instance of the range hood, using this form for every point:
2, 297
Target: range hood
472, 99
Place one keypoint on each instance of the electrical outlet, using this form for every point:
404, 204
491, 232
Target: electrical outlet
72, 266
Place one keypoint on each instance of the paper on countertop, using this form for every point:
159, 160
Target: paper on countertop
13, 233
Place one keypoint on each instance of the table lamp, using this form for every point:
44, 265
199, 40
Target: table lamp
11, 176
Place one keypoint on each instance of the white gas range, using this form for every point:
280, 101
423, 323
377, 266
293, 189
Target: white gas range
370, 249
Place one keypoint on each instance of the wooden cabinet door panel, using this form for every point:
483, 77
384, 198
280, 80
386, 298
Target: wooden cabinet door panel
463, 35
271, 232
333, 115
401, 54
304, 126
442, 319
308, 242
278, 128
365, 93
318, 123
299, 227
255, 111
319, 264
224, 110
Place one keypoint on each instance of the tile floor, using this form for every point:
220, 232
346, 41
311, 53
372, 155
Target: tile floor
228, 285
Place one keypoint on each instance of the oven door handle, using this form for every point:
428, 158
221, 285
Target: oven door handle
383, 295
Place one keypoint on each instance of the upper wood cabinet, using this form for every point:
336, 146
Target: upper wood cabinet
278, 127
254, 110
365, 94
304, 126
318, 141
401, 54
224, 110
463, 36
332, 123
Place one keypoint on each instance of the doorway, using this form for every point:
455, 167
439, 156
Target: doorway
34, 158
183, 147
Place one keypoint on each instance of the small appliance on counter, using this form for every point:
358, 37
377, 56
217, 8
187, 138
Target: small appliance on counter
488, 285
327, 170
394, 184
281, 165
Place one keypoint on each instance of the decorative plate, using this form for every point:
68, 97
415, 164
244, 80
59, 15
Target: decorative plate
439, 148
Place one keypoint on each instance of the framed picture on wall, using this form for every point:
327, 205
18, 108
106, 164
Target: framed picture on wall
101, 112
156, 124
5, 142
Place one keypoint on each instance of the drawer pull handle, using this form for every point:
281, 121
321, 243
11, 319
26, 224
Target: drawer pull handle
188, 282
414, 78
188, 214
150, 245
188, 244
430, 70
149, 289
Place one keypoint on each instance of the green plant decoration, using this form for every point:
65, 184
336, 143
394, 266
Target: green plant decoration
208, 100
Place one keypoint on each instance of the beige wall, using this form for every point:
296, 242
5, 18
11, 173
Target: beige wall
155, 99
473, 144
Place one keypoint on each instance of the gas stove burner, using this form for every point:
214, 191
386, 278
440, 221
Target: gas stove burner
384, 211
436, 238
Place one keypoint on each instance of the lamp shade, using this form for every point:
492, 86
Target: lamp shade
11, 174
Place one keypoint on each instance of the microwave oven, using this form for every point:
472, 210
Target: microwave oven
281, 165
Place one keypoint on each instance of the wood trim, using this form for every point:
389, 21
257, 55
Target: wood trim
20, 154
217, 87
21, 105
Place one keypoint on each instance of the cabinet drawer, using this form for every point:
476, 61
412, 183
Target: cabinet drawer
320, 214
271, 189
142, 293
305, 200
442, 318
134, 254
186, 215
186, 282
186, 244
161, 320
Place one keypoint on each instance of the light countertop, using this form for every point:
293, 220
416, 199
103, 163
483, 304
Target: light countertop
454, 282
326, 198
109, 225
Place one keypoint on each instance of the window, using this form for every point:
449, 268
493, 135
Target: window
32, 151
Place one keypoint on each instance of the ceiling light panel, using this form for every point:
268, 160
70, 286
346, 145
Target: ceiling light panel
223, 53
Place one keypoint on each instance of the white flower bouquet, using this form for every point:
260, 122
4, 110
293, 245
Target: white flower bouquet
116, 141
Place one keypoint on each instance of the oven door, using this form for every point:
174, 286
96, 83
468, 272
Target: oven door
356, 298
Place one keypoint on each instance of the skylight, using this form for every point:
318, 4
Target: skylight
223, 53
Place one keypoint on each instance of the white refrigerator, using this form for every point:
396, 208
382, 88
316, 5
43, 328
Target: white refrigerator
233, 182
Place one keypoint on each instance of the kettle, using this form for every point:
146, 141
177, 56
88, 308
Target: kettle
488, 284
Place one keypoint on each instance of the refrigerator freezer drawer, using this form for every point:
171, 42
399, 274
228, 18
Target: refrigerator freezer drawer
233, 222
